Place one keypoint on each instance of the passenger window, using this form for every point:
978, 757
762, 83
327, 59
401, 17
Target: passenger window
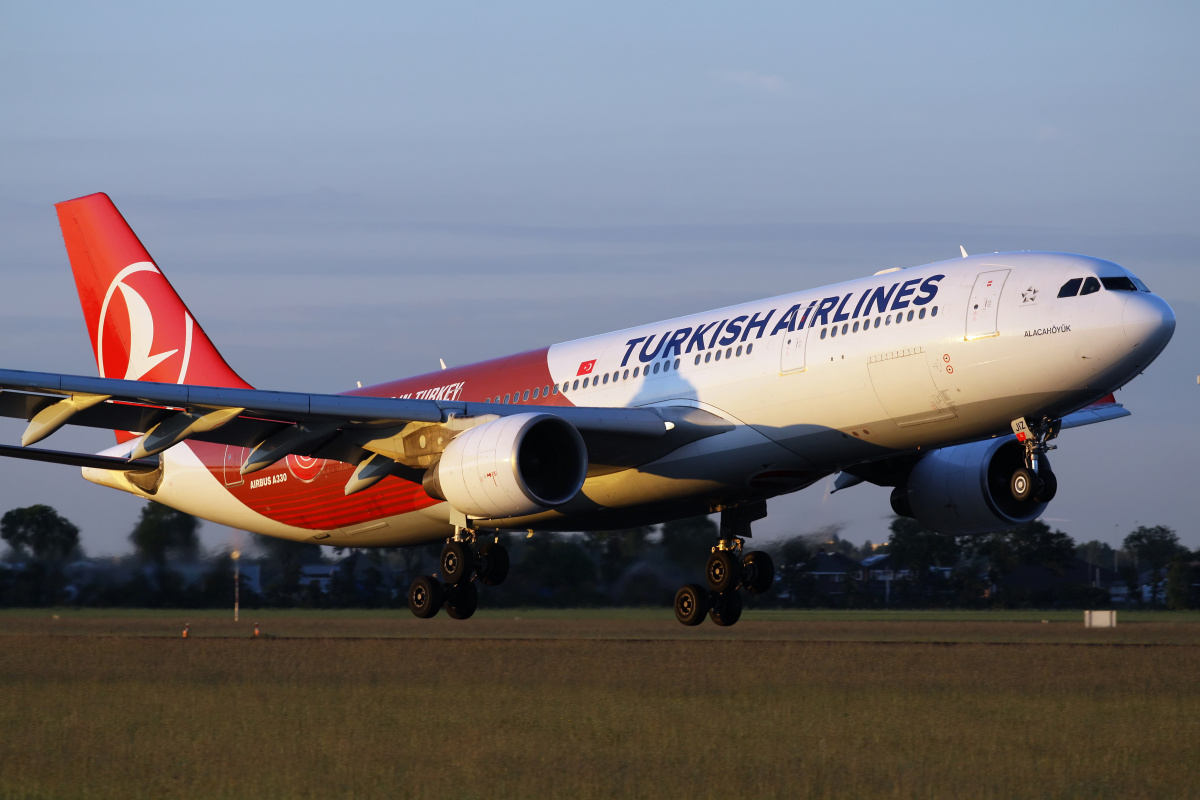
625, 377
575, 385
656, 365
749, 347
545, 391
738, 352
554, 389
845, 327
697, 358
707, 357
666, 365
506, 397
718, 355
526, 395
729, 352
536, 392
887, 320
910, 316
677, 363
877, 322
635, 371
1070, 288
921, 315
833, 331
934, 312
605, 378
1119, 284
855, 329
823, 333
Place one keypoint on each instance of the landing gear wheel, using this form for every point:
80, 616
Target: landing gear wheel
457, 563
723, 571
425, 597
758, 571
492, 562
726, 608
691, 604
1049, 485
461, 601
1024, 484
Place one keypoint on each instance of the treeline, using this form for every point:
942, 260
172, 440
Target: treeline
44, 565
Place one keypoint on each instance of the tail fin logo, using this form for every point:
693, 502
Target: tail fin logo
133, 348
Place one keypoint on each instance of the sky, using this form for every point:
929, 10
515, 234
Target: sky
350, 193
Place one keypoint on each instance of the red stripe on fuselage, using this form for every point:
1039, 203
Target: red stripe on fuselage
321, 503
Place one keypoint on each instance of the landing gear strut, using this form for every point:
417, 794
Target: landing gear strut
727, 572
1035, 480
462, 563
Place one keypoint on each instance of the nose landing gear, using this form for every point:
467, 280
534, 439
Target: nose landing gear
727, 572
1035, 480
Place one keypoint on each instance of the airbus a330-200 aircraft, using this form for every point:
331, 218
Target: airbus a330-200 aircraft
945, 381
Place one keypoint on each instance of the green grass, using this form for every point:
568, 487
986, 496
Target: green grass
595, 704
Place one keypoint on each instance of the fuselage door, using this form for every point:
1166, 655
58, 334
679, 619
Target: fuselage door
985, 304
791, 358
234, 456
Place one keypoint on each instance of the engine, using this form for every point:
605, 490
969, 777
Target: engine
965, 489
510, 467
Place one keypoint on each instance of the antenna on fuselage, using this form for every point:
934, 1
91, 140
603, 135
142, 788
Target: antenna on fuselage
442, 361
962, 250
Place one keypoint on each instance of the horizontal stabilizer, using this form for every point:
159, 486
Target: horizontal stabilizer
80, 459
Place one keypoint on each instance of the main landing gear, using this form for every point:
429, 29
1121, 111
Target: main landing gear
727, 572
1034, 481
463, 562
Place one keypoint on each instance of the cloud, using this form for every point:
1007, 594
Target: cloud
754, 81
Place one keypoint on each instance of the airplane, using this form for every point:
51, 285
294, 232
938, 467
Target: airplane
945, 382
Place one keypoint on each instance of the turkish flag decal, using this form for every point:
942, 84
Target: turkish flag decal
586, 367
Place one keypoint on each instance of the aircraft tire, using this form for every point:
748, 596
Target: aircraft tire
691, 604
461, 601
726, 608
425, 597
1024, 484
758, 571
723, 571
457, 563
492, 561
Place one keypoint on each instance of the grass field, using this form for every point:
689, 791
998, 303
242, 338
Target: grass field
597, 704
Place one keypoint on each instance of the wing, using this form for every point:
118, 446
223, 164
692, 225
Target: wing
349, 428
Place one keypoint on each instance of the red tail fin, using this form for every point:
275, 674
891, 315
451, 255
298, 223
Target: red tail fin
140, 328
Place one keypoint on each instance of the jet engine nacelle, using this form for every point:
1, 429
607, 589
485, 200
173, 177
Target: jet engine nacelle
510, 467
965, 489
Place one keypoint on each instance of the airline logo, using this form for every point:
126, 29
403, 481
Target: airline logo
133, 345
835, 309
586, 367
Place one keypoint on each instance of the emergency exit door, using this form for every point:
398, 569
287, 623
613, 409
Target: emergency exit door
985, 304
791, 358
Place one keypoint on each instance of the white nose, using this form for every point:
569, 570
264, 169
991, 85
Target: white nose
1149, 324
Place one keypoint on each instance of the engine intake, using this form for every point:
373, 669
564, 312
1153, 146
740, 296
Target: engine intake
510, 467
965, 489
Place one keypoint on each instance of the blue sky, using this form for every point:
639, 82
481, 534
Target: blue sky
349, 194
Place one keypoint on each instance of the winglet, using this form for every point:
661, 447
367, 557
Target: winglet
962, 250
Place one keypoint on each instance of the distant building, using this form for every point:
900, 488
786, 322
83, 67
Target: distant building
832, 573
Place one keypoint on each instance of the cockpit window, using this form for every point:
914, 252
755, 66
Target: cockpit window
1090, 286
1070, 288
1119, 284
1138, 283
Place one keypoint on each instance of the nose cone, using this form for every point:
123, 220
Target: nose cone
1149, 324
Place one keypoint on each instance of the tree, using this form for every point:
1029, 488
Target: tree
1097, 553
915, 547
163, 532
39, 530
1179, 583
1154, 547
688, 542
616, 551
